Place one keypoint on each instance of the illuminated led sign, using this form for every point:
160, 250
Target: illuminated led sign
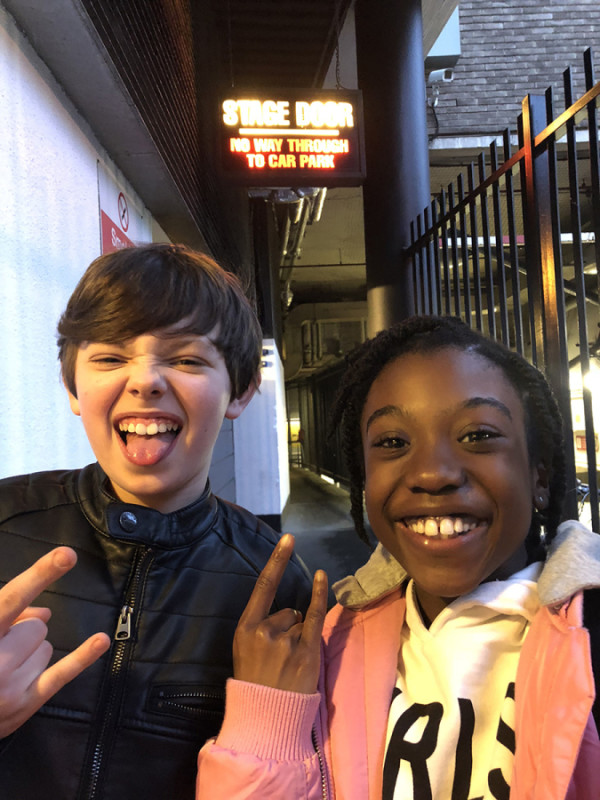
293, 138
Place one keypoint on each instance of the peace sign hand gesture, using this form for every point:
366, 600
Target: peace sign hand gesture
281, 650
25, 683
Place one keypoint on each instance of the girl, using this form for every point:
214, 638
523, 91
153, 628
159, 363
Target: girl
456, 664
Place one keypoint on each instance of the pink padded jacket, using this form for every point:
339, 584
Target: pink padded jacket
277, 745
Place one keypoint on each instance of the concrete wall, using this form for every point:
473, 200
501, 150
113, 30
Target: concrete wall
260, 436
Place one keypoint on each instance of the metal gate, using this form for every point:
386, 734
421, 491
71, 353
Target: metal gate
513, 248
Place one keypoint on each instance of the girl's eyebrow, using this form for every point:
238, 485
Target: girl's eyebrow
475, 402
385, 411
472, 402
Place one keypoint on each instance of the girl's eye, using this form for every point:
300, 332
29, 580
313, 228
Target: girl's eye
481, 435
390, 442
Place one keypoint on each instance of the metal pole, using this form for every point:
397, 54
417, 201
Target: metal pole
390, 62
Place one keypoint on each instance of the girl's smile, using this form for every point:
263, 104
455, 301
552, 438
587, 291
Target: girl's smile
449, 484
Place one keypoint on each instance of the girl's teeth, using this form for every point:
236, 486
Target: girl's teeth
442, 526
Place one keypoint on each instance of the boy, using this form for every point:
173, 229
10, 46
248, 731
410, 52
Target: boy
157, 346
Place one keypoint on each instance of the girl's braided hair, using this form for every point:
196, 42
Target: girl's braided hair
427, 334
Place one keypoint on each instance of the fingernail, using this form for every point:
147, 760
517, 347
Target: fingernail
99, 644
63, 558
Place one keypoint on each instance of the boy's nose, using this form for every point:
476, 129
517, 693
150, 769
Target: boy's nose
435, 470
146, 380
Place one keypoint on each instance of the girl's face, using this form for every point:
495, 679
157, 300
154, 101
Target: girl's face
449, 486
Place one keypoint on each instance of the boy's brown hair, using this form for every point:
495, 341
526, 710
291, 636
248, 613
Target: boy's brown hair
139, 290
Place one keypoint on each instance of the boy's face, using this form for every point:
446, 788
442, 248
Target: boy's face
449, 486
152, 408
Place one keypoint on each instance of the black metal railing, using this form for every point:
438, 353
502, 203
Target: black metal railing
513, 247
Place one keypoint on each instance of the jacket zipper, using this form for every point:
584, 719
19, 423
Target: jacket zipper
176, 700
116, 671
324, 784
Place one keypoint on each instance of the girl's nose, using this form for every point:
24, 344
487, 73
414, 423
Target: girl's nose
434, 469
146, 380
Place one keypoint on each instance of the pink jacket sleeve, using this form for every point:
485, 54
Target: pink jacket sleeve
265, 747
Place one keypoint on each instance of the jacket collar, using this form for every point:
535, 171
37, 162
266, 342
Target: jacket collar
138, 524
572, 564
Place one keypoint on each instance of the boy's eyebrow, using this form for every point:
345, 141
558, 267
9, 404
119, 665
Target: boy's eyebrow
472, 402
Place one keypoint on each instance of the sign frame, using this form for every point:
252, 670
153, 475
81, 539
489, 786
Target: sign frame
297, 151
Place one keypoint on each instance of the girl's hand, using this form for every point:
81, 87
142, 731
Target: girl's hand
281, 650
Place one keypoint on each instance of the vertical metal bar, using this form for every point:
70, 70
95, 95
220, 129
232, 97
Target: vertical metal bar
428, 250
445, 262
579, 276
432, 257
553, 202
487, 251
425, 290
435, 236
532, 256
464, 250
454, 251
551, 339
417, 270
513, 250
475, 249
498, 230
594, 165
594, 161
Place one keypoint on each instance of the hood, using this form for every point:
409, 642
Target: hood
573, 563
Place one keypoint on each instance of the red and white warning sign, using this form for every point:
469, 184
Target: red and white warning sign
123, 222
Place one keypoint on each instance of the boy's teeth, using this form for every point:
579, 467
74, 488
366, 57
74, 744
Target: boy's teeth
141, 429
442, 526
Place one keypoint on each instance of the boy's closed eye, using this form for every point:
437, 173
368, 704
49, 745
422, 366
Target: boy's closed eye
107, 360
189, 362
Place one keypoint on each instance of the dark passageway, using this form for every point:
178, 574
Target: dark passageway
318, 514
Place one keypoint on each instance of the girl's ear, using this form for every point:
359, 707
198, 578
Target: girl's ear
541, 487
238, 404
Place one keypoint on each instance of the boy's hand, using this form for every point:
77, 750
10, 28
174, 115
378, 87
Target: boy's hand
25, 683
280, 650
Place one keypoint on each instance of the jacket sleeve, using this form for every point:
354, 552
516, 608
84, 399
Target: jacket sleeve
264, 749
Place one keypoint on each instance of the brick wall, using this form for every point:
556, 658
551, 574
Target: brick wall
166, 54
510, 48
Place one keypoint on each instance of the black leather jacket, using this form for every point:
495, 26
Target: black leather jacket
169, 588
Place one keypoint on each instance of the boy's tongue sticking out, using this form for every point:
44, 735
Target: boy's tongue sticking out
147, 441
